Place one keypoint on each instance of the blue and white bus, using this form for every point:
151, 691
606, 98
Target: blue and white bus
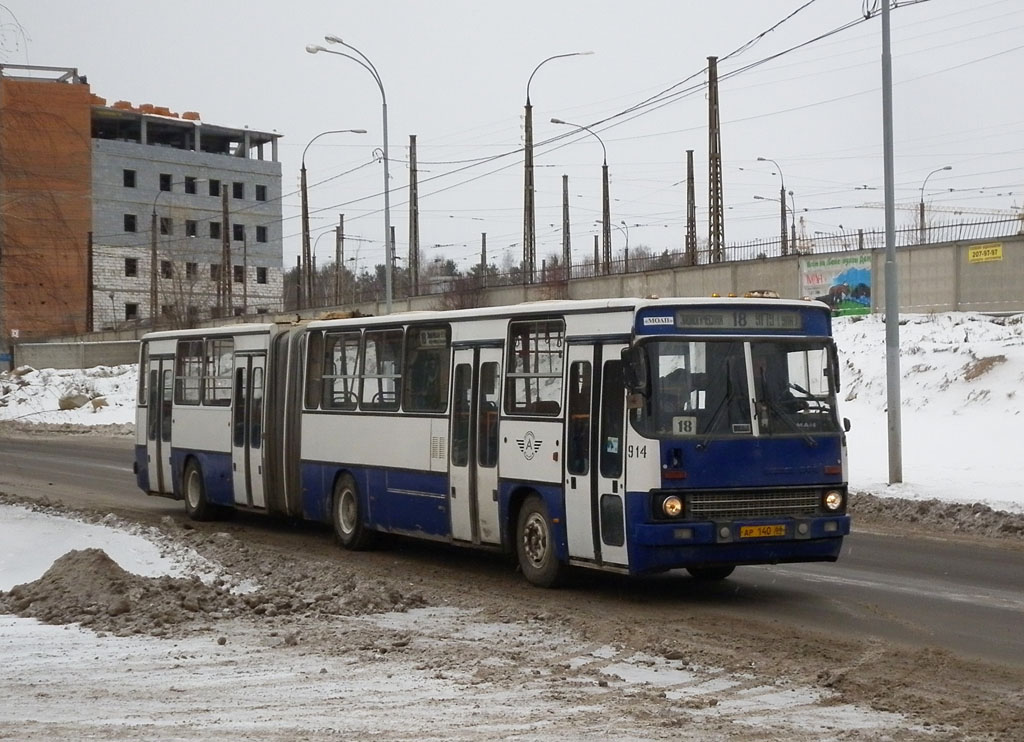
627, 435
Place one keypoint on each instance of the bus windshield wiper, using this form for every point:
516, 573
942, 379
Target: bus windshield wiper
722, 407
780, 413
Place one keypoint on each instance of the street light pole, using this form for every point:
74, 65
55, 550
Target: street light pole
792, 222
782, 200
307, 277
921, 235
606, 219
363, 61
529, 193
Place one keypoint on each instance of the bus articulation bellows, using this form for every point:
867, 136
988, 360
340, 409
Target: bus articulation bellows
627, 435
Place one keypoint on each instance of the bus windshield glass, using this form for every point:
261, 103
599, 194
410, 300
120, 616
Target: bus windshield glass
703, 388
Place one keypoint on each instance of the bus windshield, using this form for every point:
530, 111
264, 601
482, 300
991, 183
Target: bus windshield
703, 388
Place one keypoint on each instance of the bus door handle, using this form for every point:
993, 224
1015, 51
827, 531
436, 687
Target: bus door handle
572, 482
453, 493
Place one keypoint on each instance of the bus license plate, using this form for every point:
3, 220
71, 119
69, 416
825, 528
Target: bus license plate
762, 531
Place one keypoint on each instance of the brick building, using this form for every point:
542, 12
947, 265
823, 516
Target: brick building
84, 183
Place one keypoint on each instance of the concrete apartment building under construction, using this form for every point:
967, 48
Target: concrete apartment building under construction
84, 183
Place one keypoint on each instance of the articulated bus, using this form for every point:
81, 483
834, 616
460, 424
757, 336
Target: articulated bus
627, 435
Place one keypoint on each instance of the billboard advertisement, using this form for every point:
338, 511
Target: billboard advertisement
841, 281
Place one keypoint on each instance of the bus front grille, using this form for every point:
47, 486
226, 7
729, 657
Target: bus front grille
746, 504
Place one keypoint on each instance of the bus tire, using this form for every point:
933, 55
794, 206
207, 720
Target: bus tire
535, 545
196, 505
347, 516
711, 574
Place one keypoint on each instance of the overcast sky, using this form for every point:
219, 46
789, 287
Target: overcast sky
455, 74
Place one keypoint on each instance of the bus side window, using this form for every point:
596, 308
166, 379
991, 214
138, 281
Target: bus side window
577, 431
314, 369
613, 399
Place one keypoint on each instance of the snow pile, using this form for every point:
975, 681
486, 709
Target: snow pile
961, 412
95, 396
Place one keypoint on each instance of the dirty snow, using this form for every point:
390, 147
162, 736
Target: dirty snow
385, 664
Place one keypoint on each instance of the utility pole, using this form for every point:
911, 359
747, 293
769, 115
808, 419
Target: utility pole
225, 258
245, 273
892, 296
339, 257
716, 237
566, 245
483, 260
529, 208
153, 268
414, 221
691, 213
597, 255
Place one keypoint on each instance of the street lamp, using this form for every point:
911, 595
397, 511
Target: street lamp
782, 199
529, 205
363, 61
792, 222
921, 205
307, 277
606, 223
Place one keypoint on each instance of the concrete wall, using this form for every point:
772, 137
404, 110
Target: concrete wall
76, 355
933, 278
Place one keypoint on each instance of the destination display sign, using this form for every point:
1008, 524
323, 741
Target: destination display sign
738, 319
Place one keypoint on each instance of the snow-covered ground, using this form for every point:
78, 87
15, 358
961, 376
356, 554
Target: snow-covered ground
961, 442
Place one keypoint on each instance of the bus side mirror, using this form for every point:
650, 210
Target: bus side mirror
846, 424
833, 353
634, 370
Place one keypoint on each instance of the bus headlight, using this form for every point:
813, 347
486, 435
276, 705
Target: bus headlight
833, 500
672, 506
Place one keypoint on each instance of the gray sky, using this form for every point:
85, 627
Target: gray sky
455, 74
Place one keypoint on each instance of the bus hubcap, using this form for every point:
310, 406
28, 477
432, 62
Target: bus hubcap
348, 511
535, 539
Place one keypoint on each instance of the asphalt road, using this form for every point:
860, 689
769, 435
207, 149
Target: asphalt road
961, 596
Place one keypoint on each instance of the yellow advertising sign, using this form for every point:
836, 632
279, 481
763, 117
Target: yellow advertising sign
985, 253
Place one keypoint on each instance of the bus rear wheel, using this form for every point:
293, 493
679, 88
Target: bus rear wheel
347, 516
196, 505
710, 574
535, 545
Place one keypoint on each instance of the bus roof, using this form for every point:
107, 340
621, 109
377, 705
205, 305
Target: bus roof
552, 306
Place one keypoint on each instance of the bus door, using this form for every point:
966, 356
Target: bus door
247, 430
594, 454
158, 423
473, 463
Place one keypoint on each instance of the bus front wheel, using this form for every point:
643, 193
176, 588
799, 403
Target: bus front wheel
535, 545
348, 517
710, 574
196, 505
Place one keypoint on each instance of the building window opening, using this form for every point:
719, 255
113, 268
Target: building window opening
191, 270
261, 275
131, 312
166, 225
214, 187
261, 193
191, 228
238, 190
165, 181
129, 223
166, 269
129, 178
239, 273
238, 232
261, 234
190, 184
131, 267
214, 230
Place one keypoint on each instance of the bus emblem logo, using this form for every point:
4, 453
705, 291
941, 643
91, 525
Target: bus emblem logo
529, 445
